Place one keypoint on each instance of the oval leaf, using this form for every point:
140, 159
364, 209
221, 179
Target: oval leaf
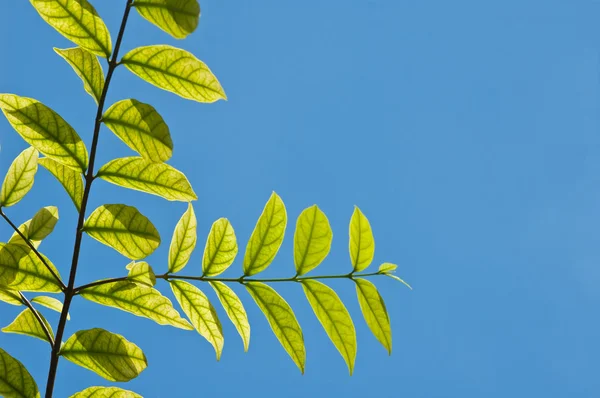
183, 241
282, 320
24, 229
374, 312
312, 239
21, 269
174, 70
19, 177
86, 66
235, 310
387, 268
142, 274
362, 243
105, 392
27, 324
43, 222
10, 296
266, 237
124, 229
50, 302
71, 180
221, 248
15, 380
178, 18
108, 354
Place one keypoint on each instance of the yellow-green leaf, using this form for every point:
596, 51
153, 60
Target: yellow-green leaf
221, 248
387, 267
282, 320
267, 236
105, 392
174, 70
43, 222
312, 239
178, 18
87, 67
362, 243
108, 354
124, 229
183, 241
45, 130
140, 127
10, 296
201, 312
144, 175
71, 180
15, 380
24, 229
78, 21
399, 280
334, 317
50, 302
21, 269
374, 312
142, 273
235, 310
27, 324
19, 178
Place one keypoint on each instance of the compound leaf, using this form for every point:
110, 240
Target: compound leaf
183, 241
70, 179
10, 296
221, 248
235, 310
19, 178
50, 302
43, 222
374, 312
362, 243
142, 274
178, 18
312, 239
27, 324
21, 269
87, 67
15, 380
105, 392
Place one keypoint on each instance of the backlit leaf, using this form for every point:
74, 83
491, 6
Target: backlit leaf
105, 392
19, 177
183, 241
50, 302
387, 267
312, 239
174, 70
178, 18
21, 269
221, 248
10, 296
24, 229
399, 280
26, 323
235, 310
142, 273
70, 179
42, 223
86, 66
374, 312
15, 380
362, 243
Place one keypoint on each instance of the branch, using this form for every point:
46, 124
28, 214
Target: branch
39, 319
78, 290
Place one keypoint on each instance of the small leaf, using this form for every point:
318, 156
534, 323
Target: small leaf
201, 312
386, 268
16, 239
124, 229
26, 323
45, 130
235, 310
221, 248
86, 66
174, 70
15, 380
142, 274
312, 239
144, 175
362, 243
178, 18
10, 296
42, 223
105, 392
78, 21
71, 180
334, 317
21, 269
183, 241
399, 280
282, 320
50, 302
266, 237
138, 300
374, 312
19, 178
129, 266
107, 354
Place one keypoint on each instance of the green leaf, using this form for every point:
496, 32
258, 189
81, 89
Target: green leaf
140, 127
50, 302
312, 239
144, 175
201, 312
108, 354
267, 237
183, 241
10, 296
124, 229
362, 243
399, 280
70, 179
105, 392
178, 18
19, 178
221, 248
42, 223
21, 269
45, 130
87, 67
78, 21
142, 274
27, 324
24, 229
235, 310
386, 268
138, 300
129, 266
282, 320
374, 312
15, 380
334, 317
174, 70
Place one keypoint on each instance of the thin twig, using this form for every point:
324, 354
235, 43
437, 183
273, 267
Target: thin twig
39, 318
79, 289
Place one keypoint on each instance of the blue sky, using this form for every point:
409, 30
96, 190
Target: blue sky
468, 133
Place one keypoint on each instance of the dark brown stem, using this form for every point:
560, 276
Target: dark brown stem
38, 317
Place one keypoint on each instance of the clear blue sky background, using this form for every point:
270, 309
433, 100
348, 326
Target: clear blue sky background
467, 131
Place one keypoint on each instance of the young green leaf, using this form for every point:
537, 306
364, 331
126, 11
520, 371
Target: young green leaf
399, 280
78, 21
50, 302
334, 317
43, 222
312, 239
183, 241
142, 274
374, 312
27, 324
70, 179
105, 392
144, 175
16, 239
201, 312
362, 243
267, 236
178, 18
235, 310
86, 66
45, 130
282, 320
19, 178
124, 229
140, 127
108, 354
221, 248
129, 266
174, 70
15, 380
10, 296
386, 268
21, 269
